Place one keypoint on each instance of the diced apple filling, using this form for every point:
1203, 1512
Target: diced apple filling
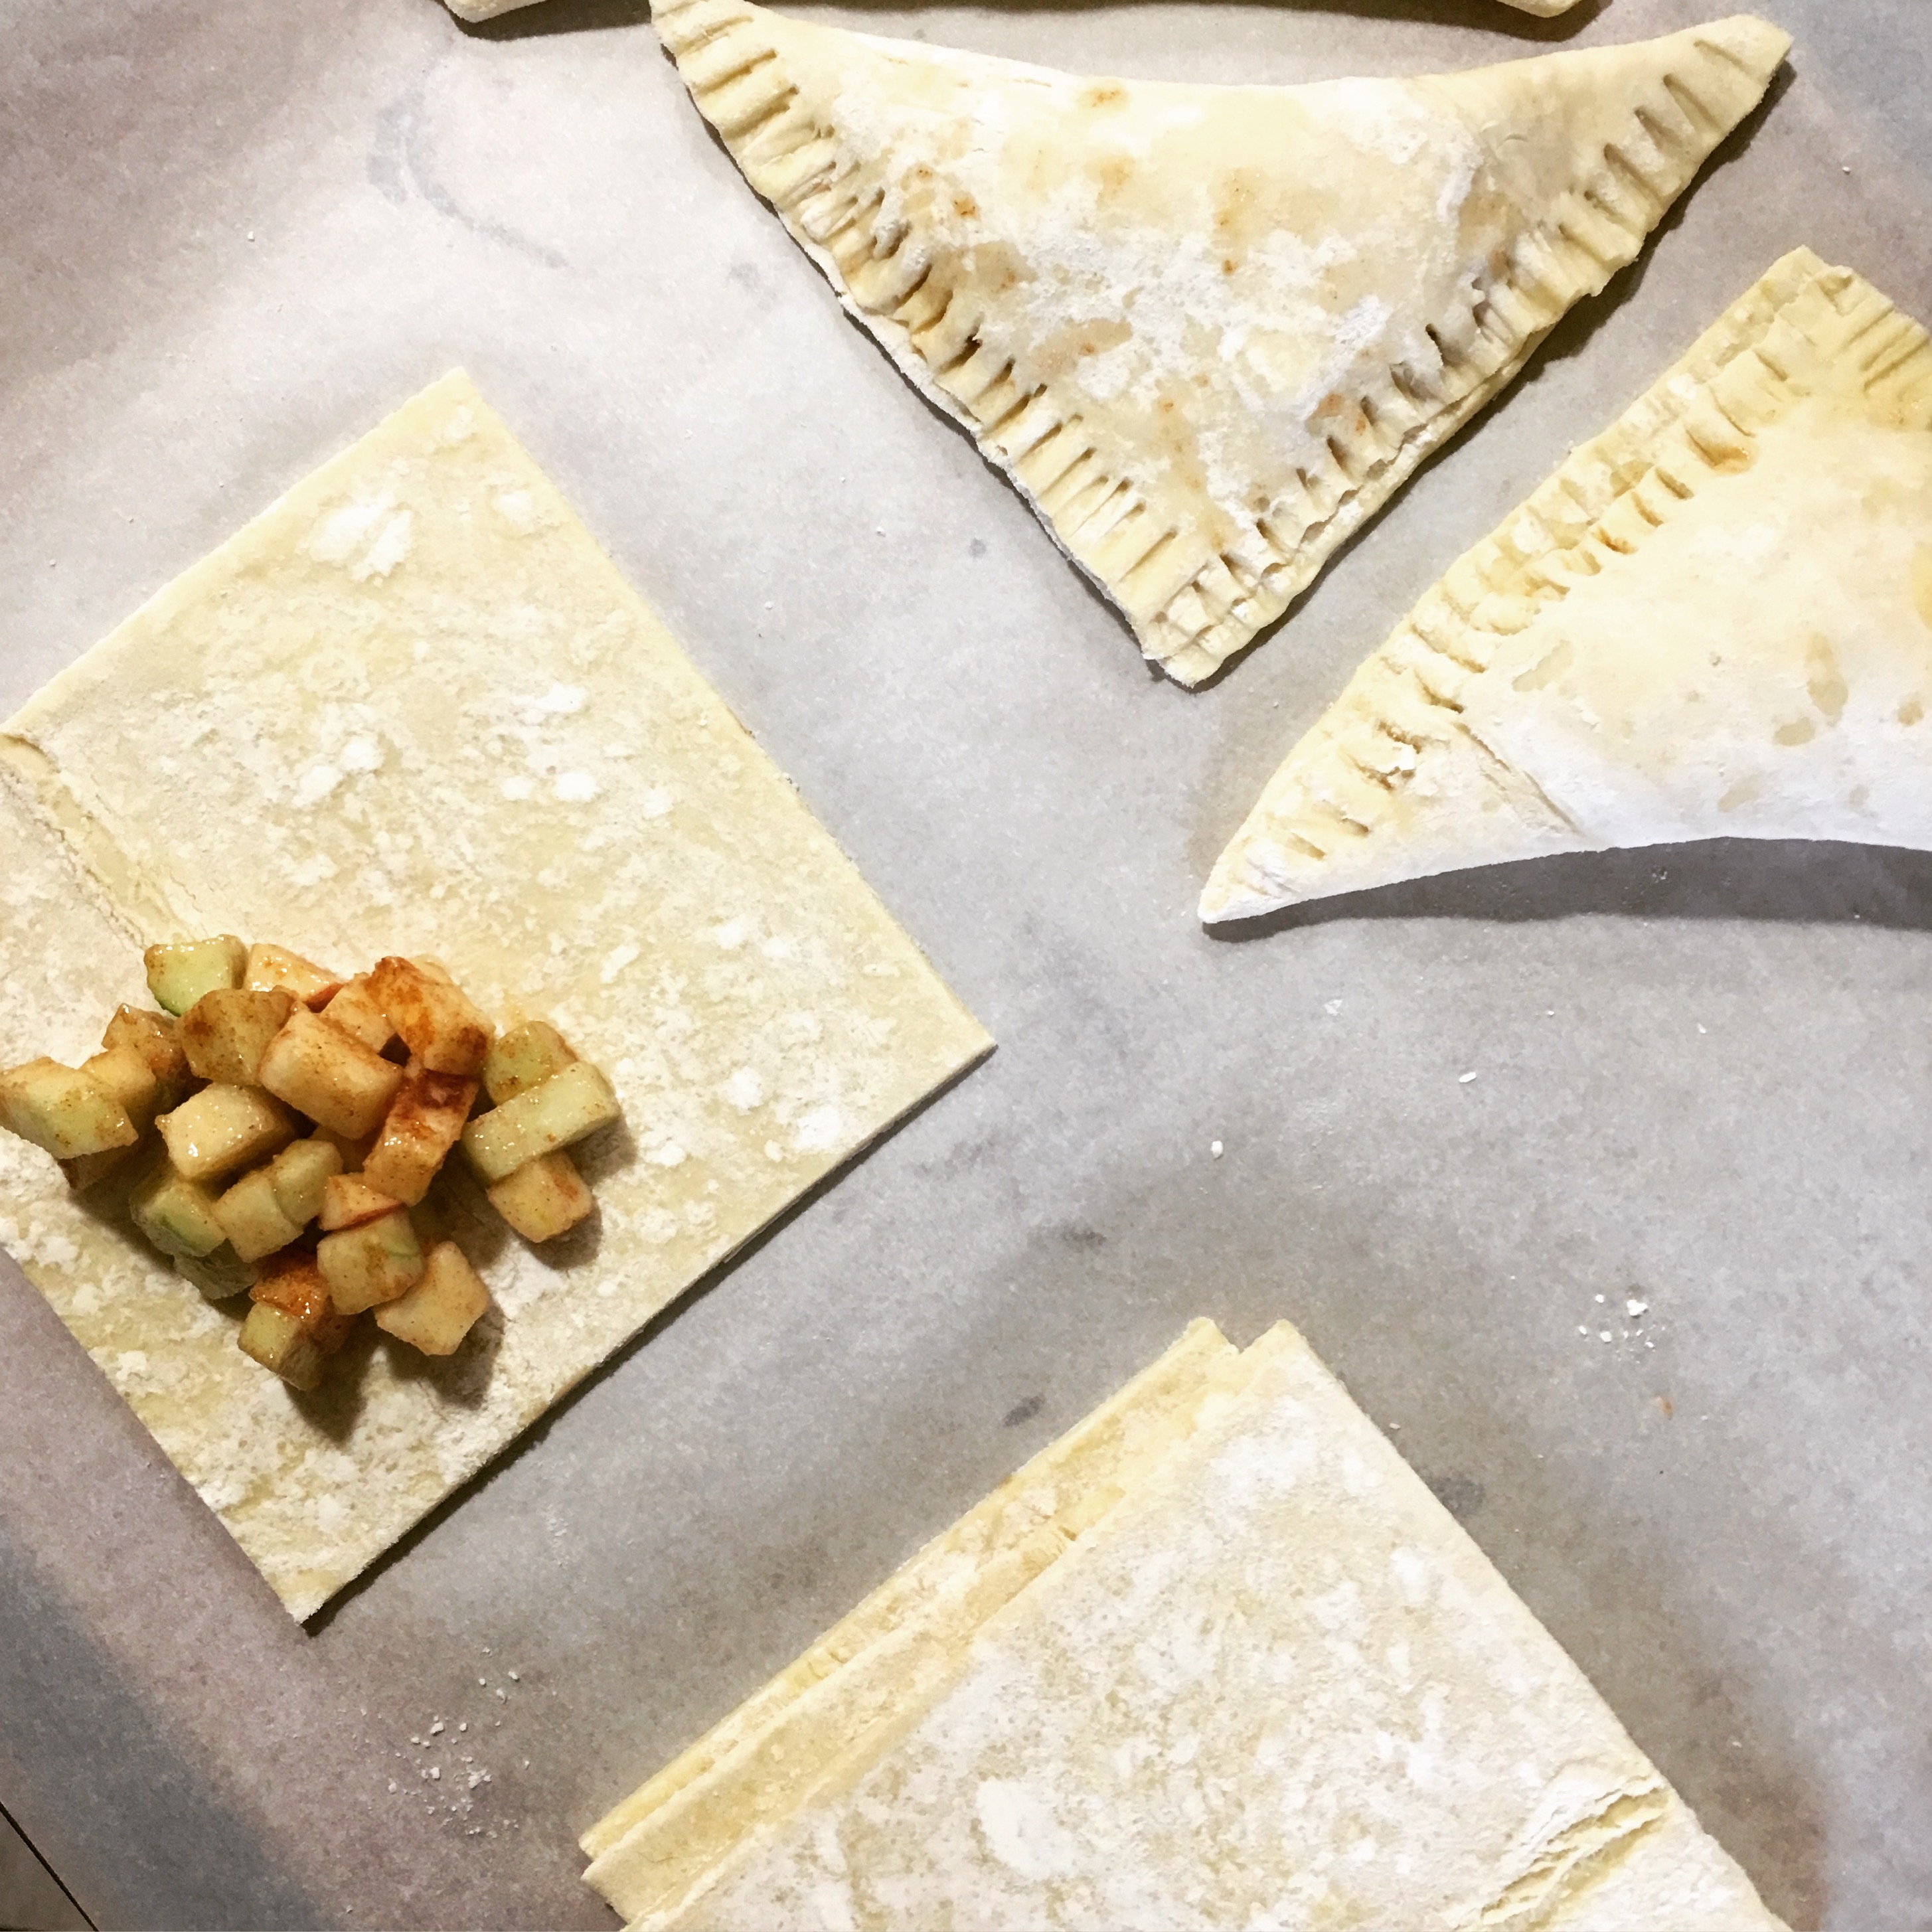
225, 1033
442, 1307
275, 968
62, 1110
179, 973
370, 1264
523, 1057
176, 1215
425, 1120
543, 1198
277, 1111
252, 1218
570, 1104
129, 1078
354, 1148
156, 1037
437, 1021
220, 1276
348, 1200
355, 1010
301, 1174
223, 1130
329, 1074
275, 1338
293, 1327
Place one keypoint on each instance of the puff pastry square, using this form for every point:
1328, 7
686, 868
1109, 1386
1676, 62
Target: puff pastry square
1254, 1674
1208, 331
412, 708
1714, 621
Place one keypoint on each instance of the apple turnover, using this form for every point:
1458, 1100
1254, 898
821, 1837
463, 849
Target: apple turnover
1208, 331
1714, 621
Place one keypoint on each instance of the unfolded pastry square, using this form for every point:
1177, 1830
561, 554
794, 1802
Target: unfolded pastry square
1217, 1658
412, 708
1208, 331
1714, 621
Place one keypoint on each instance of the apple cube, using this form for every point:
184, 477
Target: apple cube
225, 1033
299, 1173
277, 1340
438, 1022
179, 973
442, 1307
354, 1149
62, 1110
329, 1074
275, 969
83, 1173
176, 1215
371, 1264
222, 1129
252, 1218
569, 1105
220, 1275
543, 1198
522, 1057
426, 1120
293, 1327
355, 1010
348, 1200
156, 1037
129, 1078
293, 1283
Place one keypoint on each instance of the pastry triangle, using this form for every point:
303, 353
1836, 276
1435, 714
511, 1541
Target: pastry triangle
1274, 1683
1207, 330
1714, 621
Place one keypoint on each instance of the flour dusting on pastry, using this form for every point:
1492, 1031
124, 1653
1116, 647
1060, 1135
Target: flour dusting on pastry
1254, 1674
1208, 331
1714, 621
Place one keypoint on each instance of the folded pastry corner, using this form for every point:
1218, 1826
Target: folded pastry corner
1265, 1678
1714, 620
1208, 331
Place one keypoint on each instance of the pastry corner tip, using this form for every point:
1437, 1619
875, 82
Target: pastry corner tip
1224, 901
1758, 43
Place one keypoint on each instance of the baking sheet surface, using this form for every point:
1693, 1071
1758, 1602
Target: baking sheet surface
233, 237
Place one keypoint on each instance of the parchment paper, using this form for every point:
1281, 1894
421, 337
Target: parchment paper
232, 236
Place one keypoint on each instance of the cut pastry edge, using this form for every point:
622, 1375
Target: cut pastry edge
1397, 780
822, 1723
1194, 602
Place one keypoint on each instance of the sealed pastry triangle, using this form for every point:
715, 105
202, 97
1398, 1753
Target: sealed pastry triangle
1714, 621
1216, 1658
1208, 331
